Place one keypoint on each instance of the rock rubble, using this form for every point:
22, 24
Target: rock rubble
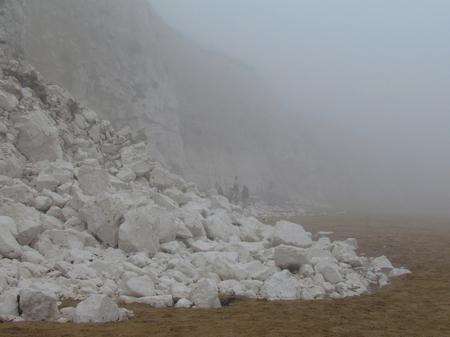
86, 214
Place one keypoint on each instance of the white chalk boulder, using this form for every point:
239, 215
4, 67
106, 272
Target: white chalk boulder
205, 294
290, 234
281, 286
290, 257
97, 309
139, 232
36, 305
9, 247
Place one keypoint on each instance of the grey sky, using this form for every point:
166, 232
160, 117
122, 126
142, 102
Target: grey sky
370, 79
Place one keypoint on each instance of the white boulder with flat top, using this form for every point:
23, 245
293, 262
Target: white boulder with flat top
36, 305
219, 226
9, 247
205, 294
139, 233
330, 271
290, 257
8, 101
139, 286
11, 161
97, 309
27, 219
281, 286
290, 234
38, 137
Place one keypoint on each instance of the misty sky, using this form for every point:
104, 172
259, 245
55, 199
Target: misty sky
370, 79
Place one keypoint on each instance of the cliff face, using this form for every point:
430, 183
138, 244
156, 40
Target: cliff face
107, 53
207, 117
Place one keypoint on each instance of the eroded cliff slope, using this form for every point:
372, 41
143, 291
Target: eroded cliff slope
208, 117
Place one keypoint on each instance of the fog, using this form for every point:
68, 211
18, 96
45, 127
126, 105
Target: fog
367, 82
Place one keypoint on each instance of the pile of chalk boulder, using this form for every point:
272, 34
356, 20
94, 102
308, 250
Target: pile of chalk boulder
87, 215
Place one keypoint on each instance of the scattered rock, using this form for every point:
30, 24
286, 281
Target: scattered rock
9, 247
219, 226
162, 301
11, 161
140, 286
8, 101
329, 271
38, 137
281, 286
36, 305
97, 309
205, 294
87, 213
183, 304
138, 233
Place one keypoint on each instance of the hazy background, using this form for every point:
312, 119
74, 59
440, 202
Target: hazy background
367, 81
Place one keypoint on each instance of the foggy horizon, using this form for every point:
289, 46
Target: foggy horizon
367, 84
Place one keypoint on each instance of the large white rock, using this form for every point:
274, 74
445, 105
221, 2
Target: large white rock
202, 245
346, 253
185, 267
136, 158
227, 270
183, 233
162, 179
54, 174
179, 291
97, 309
291, 234
126, 175
104, 215
9, 223
9, 247
7, 101
93, 179
330, 271
176, 195
281, 286
173, 247
231, 288
397, 272
27, 219
139, 286
38, 137
165, 222
193, 220
382, 264
251, 229
9, 306
317, 253
183, 303
53, 241
79, 199
139, 232
290, 257
160, 301
219, 226
11, 161
164, 201
43, 203
19, 192
205, 294
37, 305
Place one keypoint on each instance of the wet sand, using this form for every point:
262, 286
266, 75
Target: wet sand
418, 305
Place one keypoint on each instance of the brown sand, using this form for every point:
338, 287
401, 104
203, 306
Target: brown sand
418, 305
